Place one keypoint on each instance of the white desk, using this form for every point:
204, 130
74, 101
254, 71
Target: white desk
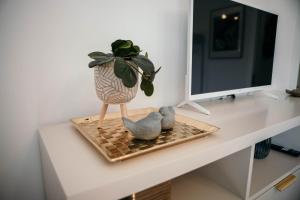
74, 170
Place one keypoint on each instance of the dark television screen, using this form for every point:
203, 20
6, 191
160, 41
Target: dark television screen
233, 46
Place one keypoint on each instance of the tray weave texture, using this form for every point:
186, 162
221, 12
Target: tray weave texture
116, 143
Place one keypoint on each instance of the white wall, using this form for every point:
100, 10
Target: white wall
44, 76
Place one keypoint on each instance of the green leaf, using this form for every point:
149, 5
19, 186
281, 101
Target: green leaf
96, 54
120, 52
126, 44
130, 80
144, 63
143, 84
126, 49
116, 44
121, 68
123, 71
146, 55
100, 61
147, 87
121, 44
136, 48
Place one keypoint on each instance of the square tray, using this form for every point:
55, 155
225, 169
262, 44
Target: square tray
115, 143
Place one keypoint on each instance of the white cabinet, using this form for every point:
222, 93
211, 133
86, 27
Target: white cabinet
223, 179
227, 179
219, 166
239, 176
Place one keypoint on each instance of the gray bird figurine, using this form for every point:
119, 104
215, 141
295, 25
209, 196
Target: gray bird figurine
294, 93
168, 120
147, 128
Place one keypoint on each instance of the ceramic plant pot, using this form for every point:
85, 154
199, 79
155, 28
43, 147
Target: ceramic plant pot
110, 88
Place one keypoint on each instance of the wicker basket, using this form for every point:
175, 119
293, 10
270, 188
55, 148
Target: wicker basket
158, 192
110, 88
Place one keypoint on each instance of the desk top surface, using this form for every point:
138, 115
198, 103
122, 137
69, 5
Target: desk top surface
83, 173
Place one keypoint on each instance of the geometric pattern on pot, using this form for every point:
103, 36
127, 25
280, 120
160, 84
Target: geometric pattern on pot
110, 88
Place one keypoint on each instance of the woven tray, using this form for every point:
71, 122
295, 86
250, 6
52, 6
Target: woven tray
115, 143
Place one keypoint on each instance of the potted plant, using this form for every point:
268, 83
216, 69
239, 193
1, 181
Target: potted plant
126, 63
117, 73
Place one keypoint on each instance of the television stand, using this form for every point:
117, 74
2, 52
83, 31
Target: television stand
220, 166
203, 110
195, 105
269, 94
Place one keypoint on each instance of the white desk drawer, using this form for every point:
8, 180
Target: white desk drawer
290, 193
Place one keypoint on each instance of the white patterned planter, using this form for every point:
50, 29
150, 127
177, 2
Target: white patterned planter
110, 88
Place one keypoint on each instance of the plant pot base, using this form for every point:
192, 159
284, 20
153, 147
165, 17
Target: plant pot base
103, 110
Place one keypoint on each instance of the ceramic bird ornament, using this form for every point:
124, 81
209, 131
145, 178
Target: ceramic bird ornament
168, 120
147, 128
294, 93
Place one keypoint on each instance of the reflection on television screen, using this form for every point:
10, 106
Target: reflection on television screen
233, 46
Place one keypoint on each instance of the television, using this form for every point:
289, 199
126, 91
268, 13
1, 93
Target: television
231, 49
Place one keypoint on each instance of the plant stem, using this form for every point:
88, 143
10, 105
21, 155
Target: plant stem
136, 69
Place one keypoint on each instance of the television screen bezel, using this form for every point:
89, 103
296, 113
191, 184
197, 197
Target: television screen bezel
193, 97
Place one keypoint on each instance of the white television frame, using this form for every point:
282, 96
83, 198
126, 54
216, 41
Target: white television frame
189, 98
